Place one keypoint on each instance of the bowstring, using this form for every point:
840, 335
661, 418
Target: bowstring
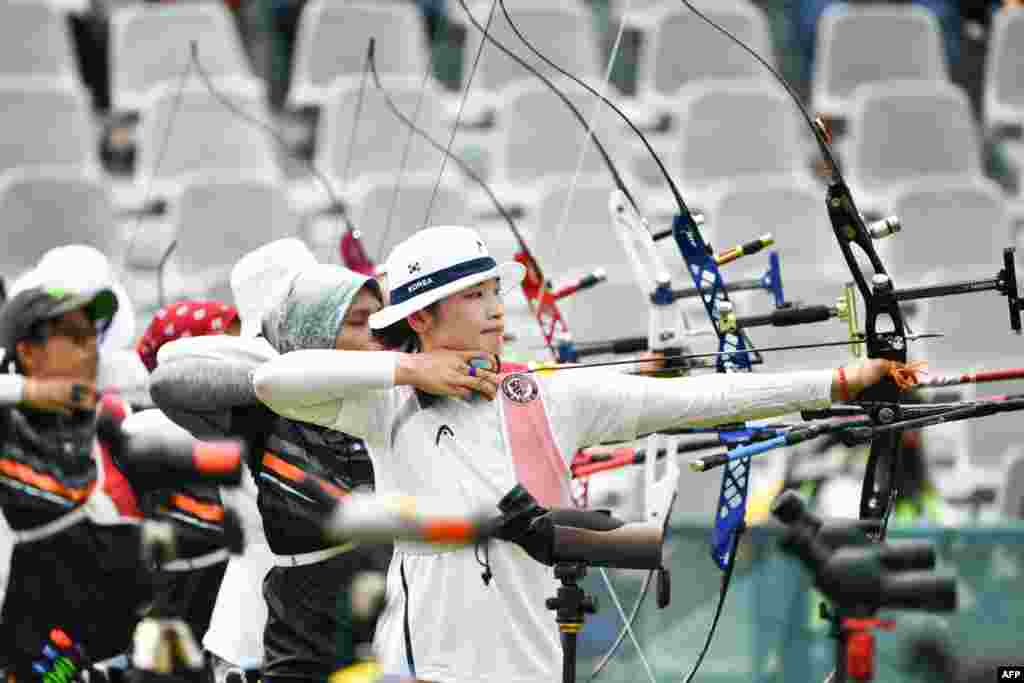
325, 184
404, 163
595, 113
350, 152
590, 135
148, 194
458, 115
627, 626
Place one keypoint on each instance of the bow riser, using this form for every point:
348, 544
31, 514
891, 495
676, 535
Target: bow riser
732, 498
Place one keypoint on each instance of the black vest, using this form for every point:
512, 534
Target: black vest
277, 444
87, 579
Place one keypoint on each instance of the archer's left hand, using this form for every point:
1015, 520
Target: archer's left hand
859, 377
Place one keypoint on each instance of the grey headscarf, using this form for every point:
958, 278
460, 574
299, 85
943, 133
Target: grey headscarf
312, 307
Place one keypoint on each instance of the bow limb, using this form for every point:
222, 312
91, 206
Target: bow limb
542, 301
879, 491
620, 184
629, 122
702, 268
153, 174
732, 501
351, 245
487, 37
404, 163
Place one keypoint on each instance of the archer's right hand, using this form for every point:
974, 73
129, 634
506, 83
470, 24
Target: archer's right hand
59, 394
447, 373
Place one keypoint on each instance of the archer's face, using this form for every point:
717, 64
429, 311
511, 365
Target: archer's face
354, 334
69, 352
469, 320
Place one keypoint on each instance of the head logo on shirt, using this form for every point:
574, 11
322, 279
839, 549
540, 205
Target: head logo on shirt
441, 431
520, 388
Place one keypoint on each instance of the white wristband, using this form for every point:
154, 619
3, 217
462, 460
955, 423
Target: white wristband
12, 389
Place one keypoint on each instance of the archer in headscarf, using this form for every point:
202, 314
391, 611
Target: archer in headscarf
320, 307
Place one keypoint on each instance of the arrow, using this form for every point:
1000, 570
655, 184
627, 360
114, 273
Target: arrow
713, 354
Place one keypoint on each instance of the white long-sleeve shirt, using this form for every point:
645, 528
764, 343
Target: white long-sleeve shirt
461, 630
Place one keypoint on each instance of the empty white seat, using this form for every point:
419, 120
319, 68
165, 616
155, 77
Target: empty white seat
540, 136
585, 224
221, 217
734, 129
610, 310
34, 42
681, 48
978, 337
560, 31
386, 215
858, 45
203, 135
1004, 70
949, 223
1012, 492
359, 135
794, 212
43, 124
151, 44
902, 131
45, 208
332, 42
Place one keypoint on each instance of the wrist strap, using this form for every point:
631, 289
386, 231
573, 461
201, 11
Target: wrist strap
844, 388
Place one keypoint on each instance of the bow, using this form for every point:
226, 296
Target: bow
352, 251
885, 330
540, 296
708, 282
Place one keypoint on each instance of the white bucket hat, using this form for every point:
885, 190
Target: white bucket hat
435, 263
256, 277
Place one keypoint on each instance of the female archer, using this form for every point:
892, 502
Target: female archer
437, 425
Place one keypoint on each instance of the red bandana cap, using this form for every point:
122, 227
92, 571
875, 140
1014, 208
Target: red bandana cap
190, 318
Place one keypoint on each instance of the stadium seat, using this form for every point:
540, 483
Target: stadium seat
610, 310
203, 135
585, 224
221, 217
1012, 493
45, 208
34, 43
1004, 77
332, 42
858, 45
561, 31
730, 130
962, 222
386, 215
902, 131
681, 48
358, 135
978, 337
794, 211
538, 135
43, 124
150, 44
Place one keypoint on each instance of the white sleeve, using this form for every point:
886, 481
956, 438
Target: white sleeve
12, 389
217, 347
589, 407
346, 390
